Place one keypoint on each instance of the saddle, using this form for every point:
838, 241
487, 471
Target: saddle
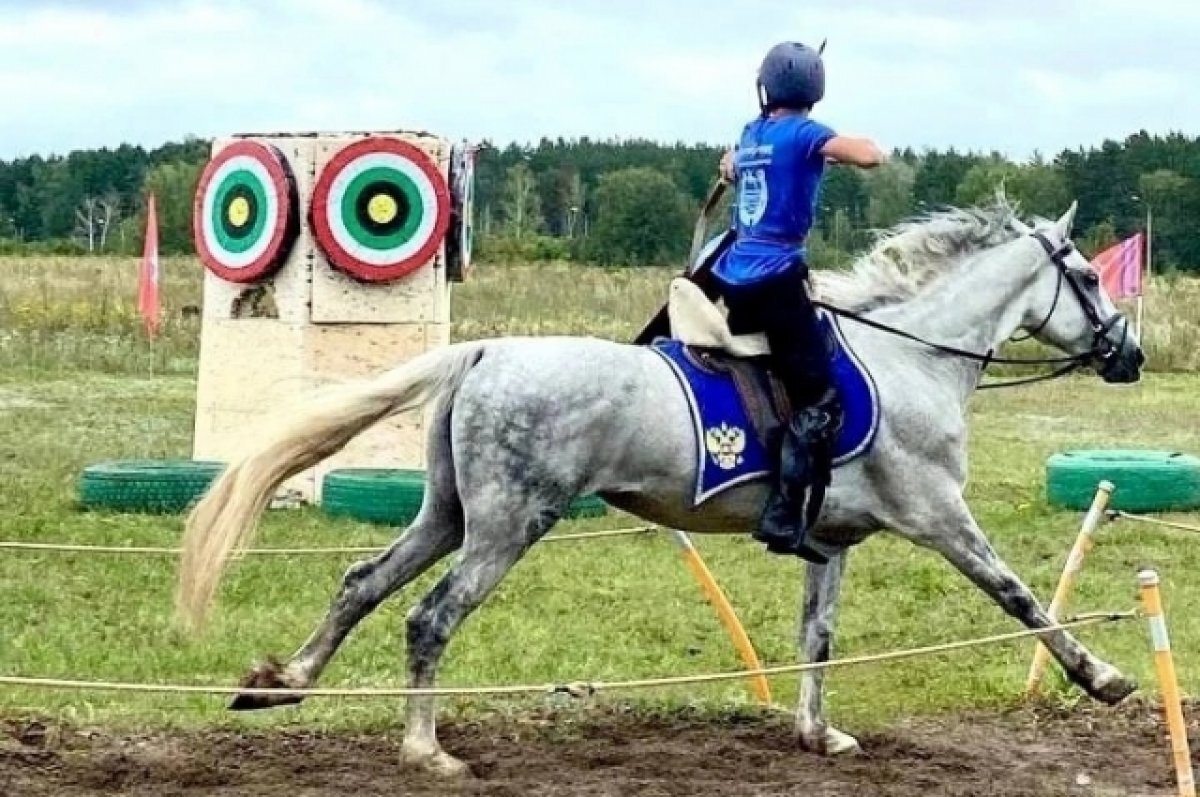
698, 323
739, 407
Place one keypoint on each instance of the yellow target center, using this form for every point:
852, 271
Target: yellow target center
239, 211
382, 208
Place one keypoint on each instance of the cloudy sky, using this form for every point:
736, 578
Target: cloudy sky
1014, 76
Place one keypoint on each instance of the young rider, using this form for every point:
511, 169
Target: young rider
777, 167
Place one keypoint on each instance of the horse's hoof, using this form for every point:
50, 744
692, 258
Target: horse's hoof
264, 676
838, 743
256, 702
435, 762
827, 742
1112, 688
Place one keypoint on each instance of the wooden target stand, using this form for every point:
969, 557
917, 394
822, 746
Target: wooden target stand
327, 257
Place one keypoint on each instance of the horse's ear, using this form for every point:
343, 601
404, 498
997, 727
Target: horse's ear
1064, 223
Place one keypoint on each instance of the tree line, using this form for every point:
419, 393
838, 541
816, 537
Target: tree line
633, 202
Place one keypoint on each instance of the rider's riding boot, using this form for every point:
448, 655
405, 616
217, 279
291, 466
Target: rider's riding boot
804, 473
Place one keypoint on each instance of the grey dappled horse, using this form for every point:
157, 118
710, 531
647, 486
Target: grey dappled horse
522, 426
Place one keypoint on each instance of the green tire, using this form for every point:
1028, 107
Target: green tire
393, 496
587, 506
373, 495
1145, 480
148, 486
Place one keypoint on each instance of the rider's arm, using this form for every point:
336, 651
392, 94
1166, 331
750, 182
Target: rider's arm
861, 152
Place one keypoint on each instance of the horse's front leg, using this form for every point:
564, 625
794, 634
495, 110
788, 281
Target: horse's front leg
953, 532
823, 584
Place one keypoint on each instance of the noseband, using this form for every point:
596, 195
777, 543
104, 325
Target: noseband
1102, 349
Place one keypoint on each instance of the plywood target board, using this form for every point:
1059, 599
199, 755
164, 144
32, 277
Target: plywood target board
325, 259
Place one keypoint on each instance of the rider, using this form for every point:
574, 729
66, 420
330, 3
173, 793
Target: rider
777, 167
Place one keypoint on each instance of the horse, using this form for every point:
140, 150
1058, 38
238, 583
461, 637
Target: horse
521, 426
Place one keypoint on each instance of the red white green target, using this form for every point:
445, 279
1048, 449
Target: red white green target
458, 246
380, 209
245, 217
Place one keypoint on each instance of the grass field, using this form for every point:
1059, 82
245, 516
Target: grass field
78, 384
69, 313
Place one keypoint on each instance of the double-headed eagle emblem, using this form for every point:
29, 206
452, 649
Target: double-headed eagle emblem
725, 445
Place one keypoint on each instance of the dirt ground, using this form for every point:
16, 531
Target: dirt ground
1084, 751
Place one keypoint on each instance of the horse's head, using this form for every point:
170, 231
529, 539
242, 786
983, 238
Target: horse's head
1072, 311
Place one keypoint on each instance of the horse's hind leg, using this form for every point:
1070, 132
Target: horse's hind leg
823, 583
495, 541
365, 585
437, 530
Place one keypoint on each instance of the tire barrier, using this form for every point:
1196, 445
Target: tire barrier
373, 495
393, 496
1145, 480
148, 486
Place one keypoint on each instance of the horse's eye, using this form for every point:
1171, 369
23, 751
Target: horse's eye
1091, 278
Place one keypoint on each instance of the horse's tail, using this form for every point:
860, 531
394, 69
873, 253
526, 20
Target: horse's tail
225, 518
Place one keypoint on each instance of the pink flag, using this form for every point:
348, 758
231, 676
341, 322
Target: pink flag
148, 275
1121, 266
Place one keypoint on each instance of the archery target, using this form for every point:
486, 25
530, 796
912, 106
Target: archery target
245, 217
380, 209
458, 250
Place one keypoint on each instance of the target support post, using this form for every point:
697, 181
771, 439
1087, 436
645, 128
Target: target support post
1164, 664
1070, 574
724, 609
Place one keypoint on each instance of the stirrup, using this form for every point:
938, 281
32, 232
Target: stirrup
785, 517
794, 545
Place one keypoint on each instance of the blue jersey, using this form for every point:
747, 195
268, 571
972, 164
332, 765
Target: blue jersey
779, 167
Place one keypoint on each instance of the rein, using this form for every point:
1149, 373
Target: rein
1069, 363
1102, 348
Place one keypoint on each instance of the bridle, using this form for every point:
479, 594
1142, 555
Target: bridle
1102, 349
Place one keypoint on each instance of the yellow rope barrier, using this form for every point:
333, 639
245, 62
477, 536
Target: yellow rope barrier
1116, 513
154, 551
572, 688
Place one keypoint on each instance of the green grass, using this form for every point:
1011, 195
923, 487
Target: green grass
604, 609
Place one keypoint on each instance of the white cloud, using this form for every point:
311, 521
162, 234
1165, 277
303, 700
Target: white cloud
1113, 87
1015, 77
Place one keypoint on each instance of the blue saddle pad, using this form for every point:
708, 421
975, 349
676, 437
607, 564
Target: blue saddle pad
729, 449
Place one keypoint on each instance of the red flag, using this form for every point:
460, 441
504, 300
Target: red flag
1121, 267
148, 275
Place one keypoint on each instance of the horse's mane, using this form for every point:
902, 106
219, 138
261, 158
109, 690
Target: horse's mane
910, 256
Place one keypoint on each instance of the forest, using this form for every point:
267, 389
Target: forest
633, 202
